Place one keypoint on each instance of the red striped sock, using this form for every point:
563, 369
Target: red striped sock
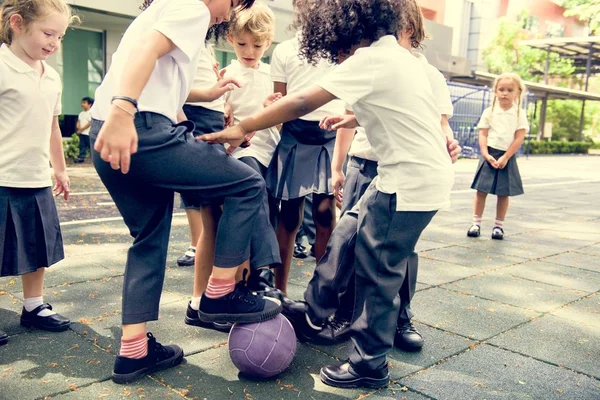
219, 287
499, 223
134, 347
477, 220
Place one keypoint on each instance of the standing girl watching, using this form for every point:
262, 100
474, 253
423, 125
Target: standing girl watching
502, 129
30, 236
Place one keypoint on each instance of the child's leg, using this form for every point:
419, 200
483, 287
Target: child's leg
501, 209
204, 260
479, 206
288, 223
324, 217
194, 217
33, 283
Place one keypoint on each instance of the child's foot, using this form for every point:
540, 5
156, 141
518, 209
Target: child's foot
3, 338
241, 305
192, 318
498, 233
335, 331
188, 258
53, 323
261, 282
300, 251
159, 357
407, 337
474, 231
348, 376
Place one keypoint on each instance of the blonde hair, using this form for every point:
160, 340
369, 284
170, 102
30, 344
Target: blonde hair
515, 78
30, 11
413, 21
257, 20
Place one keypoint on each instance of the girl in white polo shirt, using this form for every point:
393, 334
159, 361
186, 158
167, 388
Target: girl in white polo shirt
143, 156
30, 236
397, 109
502, 129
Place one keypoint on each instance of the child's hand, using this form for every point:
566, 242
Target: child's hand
272, 99
62, 185
501, 163
235, 136
219, 73
492, 161
223, 86
117, 140
338, 122
338, 179
453, 149
228, 116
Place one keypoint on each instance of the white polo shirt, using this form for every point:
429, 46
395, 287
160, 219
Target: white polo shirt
502, 125
28, 104
397, 108
185, 23
289, 68
84, 118
248, 100
205, 78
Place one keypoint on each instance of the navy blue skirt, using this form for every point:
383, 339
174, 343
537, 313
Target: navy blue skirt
30, 236
501, 182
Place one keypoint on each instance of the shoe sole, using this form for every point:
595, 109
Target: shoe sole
184, 264
247, 318
372, 383
469, 234
3, 341
497, 237
122, 379
59, 328
408, 348
214, 325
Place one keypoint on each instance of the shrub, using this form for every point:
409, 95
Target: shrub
71, 147
557, 147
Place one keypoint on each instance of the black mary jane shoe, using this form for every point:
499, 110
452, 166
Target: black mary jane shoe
348, 377
51, 323
474, 231
498, 233
3, 338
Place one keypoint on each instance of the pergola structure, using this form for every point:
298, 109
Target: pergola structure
585, 53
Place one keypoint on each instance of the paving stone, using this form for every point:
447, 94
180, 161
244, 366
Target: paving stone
515, 291
424, 245
434, 272
491, 373
144, 388
482, 260
593, 250
519, 248
585, 312
559, 275
397, 392
10, 314
37, 363
577, 260
561, 341
466, 315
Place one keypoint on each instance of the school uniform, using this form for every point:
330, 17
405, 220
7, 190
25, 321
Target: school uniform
170, 160
30, 235
501, 125
414, 181
303, 143
84, 118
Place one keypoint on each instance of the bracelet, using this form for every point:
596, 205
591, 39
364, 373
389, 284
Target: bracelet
127, 99
124, 109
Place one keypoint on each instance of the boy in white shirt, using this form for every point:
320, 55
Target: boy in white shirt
84, 121
397, 109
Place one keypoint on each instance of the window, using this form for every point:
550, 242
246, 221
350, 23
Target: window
554, 29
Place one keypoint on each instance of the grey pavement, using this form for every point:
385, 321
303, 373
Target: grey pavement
512, 319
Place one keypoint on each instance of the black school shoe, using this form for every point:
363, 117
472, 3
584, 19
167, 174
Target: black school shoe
348, 376
52, 323
300, 251
498, 233
334, 331
187, 260
241, 305
192, 318
3, 338
407, 337
474, 231
307, 329
159, 357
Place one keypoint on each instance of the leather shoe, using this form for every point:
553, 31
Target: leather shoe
300, 251
3, 338
334, 331
347, 376
408, 338
52, 323
297, 313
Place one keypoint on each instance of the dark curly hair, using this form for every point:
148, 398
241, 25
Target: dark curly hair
330, 28
218, 32
243, 4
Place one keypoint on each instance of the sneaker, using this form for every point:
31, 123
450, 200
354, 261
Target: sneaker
241, 305
300, 251
159, 357
51, 323
192, 318
3, 338
407, 337
334, 331
474, 231
188, 258
498, 233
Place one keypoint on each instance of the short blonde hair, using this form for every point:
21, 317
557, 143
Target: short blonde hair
30, 11
257, 20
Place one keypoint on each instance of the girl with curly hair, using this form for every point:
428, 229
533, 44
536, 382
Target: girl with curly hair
397, 108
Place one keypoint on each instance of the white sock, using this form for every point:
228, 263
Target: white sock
191, 251
32, 303
195, 303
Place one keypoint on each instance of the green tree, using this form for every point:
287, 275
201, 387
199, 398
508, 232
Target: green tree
586, 10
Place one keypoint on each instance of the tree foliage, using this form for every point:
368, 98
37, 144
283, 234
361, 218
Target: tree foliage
586, 10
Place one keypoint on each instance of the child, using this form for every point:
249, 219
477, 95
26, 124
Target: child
397, 109
250, 33
143, 156
302, 162
30, 236
502, 129
84, 121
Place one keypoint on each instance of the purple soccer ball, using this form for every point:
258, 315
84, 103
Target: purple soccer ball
263, 349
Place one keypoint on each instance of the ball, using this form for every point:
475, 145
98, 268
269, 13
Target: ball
263, 349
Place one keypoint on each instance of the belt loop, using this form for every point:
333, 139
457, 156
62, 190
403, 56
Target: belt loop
148, 120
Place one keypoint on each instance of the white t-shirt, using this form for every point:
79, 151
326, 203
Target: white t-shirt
85, 117
248, 100
288, 67
361, 146
28, 104
205, 78
185, 23
397, 108
502, 125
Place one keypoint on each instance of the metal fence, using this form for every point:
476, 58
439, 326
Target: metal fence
469, 102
